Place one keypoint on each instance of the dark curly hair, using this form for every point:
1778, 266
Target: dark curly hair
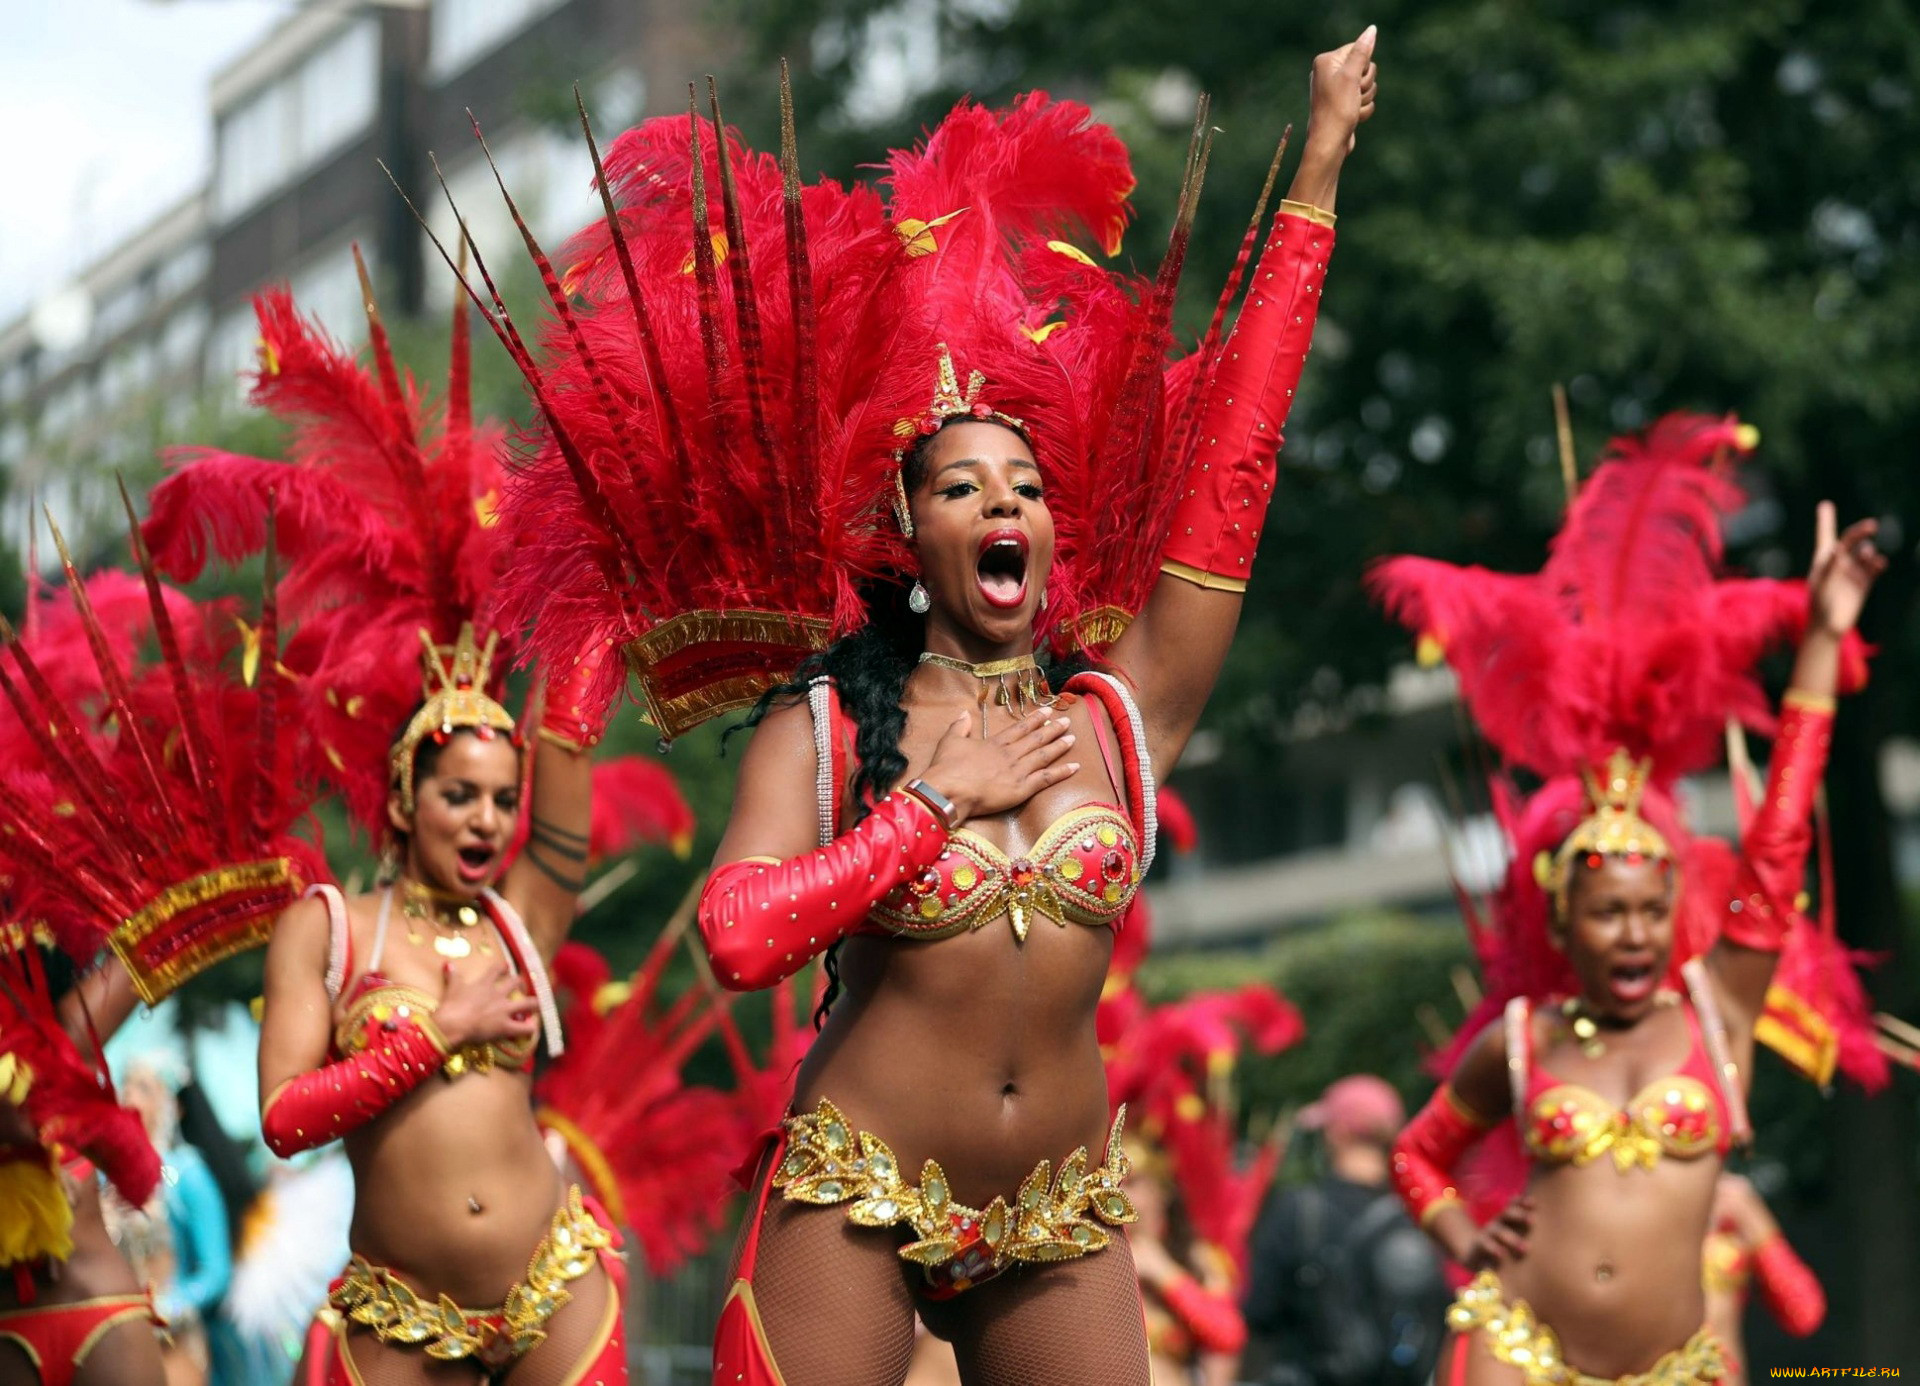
869, 669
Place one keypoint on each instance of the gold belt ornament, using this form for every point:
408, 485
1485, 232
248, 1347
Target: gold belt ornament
374, 1297
1514, 1335
1051, 1218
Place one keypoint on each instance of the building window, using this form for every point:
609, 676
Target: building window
299, 118
464, 30
182, 271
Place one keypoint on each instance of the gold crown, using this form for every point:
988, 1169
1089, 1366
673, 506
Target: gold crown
949, 402
1614, 828
454, 682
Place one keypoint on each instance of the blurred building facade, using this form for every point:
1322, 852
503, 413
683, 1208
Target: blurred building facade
302, 122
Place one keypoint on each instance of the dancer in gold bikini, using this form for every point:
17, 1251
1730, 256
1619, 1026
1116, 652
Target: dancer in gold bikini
1632, 960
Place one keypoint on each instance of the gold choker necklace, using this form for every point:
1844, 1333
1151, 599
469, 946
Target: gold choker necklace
442, 910
1021, 684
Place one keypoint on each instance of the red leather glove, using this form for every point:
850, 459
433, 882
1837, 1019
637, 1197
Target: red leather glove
1791, 1291
327, 1103
1773, 856
762, 919
576, 712
1217, 524
1213, 1320
1426, 1151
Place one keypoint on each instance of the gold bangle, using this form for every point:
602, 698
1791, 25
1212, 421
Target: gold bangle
1319, 216
554, 738
1805, 701
431, 1029
1200, 577
1438, 1206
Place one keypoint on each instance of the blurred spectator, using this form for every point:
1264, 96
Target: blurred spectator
1344, 1289
178, 1242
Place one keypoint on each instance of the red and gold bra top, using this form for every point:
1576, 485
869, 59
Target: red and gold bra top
1084, 869
375, 1001
1687, 1114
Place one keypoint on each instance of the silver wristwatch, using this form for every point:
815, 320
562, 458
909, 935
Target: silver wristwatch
941, 805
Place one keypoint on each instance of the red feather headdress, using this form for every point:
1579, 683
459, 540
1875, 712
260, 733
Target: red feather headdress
657, 1151
157, 818
70, 1102
1628, 640
385, 522
736, 361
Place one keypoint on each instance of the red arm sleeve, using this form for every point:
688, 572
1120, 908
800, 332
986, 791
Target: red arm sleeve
1773, 862
1223, 506
762, 920
1212, 1319
1426, 1151
327, 1103
1791, 1291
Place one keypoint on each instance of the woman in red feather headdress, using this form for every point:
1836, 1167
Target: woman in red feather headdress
1628, 963
405, 1021
860, 483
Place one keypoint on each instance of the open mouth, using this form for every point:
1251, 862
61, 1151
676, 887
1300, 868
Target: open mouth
1630, 982
1001, 568
476, 863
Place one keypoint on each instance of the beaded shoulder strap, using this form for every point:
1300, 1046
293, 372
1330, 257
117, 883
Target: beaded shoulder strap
515, 928
823, 703
1713, 1032
1519, 1022
337, 936
1114, 695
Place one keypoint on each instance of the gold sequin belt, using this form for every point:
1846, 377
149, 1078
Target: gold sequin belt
374, 1296
1514, 1335
1051, 1218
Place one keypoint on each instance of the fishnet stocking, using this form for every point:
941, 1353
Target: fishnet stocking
1074, 1323
833, 1298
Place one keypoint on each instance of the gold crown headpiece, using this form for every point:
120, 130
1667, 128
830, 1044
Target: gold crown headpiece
1614, 828
949, 402
454, 682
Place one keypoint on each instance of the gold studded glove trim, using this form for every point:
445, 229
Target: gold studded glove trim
1051, 1218
1515, 1336
373, 1296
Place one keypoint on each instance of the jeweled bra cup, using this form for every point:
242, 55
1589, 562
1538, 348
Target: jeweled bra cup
1672, 1116
1084, 869
378, 1006
1051, 1218
1515, 1335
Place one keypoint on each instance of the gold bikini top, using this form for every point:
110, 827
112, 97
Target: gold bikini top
1085, 869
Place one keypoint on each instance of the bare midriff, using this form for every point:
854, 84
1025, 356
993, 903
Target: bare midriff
422, 1168
976, 1050
1613, 1262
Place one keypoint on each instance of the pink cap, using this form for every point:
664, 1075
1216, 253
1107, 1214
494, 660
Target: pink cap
1359, 1105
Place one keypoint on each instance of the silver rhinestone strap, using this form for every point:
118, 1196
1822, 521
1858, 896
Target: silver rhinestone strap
1149, 792
820, 703
336, 935
1519, 1043
516, 928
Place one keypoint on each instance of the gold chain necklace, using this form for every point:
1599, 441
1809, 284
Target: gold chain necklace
1586, 1030
1021, 685
443, 911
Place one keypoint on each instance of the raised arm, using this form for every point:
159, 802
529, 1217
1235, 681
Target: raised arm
1774, 851
544, 884
1175, 647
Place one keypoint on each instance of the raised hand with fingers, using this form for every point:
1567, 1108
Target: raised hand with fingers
1845, 567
